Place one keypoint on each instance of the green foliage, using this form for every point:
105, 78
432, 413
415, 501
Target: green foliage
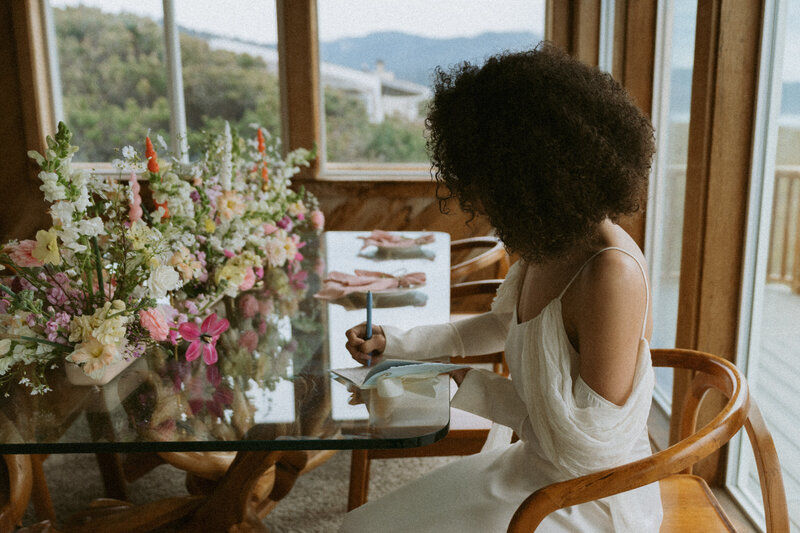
114, 81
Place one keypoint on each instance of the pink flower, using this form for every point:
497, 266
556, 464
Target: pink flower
249, 340
249, 279
249, 305
154, 321
269, 229
317, 219
22, 255
203, 339
266, 306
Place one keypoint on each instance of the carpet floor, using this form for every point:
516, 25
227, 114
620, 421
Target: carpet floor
316, 504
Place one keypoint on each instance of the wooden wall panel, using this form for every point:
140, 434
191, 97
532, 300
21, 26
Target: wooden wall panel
22, 211
634, 62
574, 25
400, 206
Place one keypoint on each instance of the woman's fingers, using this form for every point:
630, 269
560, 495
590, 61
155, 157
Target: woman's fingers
365, 350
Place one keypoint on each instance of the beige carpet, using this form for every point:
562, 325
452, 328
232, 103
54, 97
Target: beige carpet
316, 504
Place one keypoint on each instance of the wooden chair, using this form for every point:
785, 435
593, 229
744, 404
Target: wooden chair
467, 432
469, 262
689, 504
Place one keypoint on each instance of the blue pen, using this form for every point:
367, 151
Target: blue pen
368, 335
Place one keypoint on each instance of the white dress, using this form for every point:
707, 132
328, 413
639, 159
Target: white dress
566, 429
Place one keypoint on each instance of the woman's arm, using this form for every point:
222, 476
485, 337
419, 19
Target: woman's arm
478, 335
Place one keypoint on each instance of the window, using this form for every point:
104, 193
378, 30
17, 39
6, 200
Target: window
769, 337
120, 81
672, 97
376, 69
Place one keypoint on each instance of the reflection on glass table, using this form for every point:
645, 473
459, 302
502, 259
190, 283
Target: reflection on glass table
269, 390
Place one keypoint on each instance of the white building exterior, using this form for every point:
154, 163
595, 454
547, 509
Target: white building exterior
383, 95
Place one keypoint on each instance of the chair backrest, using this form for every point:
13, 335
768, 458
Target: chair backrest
468, 262
710, 372
470, 297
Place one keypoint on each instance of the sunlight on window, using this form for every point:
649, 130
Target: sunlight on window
666, 260
114, 74
774, 368
377, 60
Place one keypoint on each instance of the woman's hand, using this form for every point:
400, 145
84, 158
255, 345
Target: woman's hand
458, 375
365, 351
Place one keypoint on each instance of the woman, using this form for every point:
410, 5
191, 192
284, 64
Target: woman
553, 152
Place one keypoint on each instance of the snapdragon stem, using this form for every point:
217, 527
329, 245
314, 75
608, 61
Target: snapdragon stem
98, 266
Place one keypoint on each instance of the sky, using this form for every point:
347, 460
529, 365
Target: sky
428, 18
345, 18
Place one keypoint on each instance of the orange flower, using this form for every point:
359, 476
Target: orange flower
150, 154
162, 204
262, 148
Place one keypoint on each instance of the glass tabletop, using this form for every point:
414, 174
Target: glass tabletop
271, 388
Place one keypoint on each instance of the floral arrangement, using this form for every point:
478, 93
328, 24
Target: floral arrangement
115, 275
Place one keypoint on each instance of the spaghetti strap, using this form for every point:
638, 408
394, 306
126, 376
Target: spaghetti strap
644, 275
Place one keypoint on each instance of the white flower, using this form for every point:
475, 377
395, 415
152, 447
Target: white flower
92, 227
53, 191
128, 152
69, 236
5, 346
162, 280
62, 212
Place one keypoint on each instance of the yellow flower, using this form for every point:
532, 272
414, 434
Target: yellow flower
210, 226
46, 249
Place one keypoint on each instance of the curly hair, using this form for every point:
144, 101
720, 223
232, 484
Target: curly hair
544, 145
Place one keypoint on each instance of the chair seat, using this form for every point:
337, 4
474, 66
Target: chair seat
689, 505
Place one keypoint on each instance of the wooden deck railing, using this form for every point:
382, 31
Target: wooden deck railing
783, 263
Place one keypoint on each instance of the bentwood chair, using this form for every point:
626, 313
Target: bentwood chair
467, 432
689, 505
484, 257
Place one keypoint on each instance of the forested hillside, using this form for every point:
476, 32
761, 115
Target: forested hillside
114, 83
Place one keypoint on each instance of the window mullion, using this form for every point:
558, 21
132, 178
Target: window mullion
177, 115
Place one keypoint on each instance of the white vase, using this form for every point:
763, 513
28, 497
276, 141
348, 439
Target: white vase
77, 376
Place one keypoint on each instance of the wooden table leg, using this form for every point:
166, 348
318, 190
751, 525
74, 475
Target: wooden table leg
228, 507
359, 479
15, 490
42, 504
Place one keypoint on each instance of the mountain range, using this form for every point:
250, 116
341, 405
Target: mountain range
413, 58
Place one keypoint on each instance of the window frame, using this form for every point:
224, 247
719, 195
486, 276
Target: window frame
757, 237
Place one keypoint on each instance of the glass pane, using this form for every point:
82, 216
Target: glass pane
113, 78
229, 59
773, 365
670, 188
377, 59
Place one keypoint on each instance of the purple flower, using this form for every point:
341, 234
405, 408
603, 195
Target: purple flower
285, 223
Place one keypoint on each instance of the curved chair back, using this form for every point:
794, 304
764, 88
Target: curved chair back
711, 372
493, 253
